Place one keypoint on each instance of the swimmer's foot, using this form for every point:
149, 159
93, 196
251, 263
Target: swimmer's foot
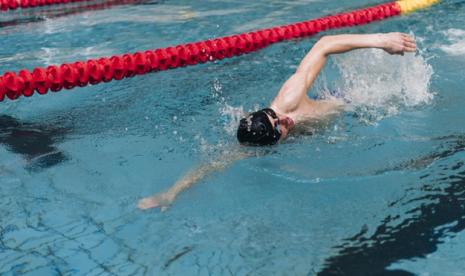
163, 201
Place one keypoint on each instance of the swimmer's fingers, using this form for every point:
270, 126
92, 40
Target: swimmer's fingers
409, 41
407, 37
162, 201
410, 49
148, 203
398, 43
410, 44
145, 203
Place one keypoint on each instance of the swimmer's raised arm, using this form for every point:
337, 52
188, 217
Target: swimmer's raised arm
313, 62
163, 200
293, 94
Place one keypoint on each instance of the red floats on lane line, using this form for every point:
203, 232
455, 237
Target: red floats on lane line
24, 4
105, 69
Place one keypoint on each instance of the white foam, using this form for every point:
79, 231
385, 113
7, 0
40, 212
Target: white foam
456, 38
377, 84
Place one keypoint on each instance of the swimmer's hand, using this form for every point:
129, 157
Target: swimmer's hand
398, 43
162, 200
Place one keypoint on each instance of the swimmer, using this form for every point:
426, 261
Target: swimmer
291, 107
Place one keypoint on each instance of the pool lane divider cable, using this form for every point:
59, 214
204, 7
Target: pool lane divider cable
6, 5
105, 69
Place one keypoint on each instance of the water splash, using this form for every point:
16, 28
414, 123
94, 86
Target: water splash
233, 115
228, 117
376, 84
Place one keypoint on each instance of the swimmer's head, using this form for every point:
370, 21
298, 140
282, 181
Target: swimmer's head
262, 128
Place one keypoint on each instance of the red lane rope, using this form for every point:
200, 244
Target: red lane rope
24, 4
105, 69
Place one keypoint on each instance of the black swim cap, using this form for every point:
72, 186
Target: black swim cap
257, 130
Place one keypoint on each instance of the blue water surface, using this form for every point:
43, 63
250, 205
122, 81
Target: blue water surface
378, 190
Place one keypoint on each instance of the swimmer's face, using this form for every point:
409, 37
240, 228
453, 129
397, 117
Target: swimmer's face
282, 124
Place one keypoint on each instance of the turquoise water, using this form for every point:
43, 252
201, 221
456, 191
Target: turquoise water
379, 190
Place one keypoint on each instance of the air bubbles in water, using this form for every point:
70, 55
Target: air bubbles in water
217, 89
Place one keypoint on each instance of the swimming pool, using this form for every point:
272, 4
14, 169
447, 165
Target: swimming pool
380, 189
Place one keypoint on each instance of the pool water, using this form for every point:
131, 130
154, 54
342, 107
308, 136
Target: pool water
378, 190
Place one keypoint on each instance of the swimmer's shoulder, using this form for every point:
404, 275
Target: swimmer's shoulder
330, 106
315, 110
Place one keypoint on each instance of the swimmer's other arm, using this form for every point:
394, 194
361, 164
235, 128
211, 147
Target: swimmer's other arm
165, 199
